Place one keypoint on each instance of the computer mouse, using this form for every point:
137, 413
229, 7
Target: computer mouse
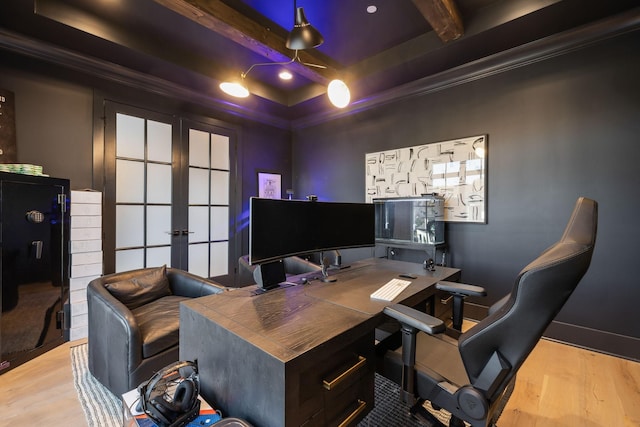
304, 281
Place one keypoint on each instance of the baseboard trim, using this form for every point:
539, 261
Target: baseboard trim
605, 342
595, 340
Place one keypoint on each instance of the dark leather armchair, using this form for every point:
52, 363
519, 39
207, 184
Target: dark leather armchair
134, 321
472, 378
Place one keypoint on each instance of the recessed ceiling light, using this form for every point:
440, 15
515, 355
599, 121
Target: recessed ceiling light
372, 9
285, 75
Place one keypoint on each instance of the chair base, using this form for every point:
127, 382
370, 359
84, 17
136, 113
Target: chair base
420, 412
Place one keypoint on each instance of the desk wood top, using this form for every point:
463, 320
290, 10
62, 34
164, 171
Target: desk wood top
289, 321
355, 284
283, 322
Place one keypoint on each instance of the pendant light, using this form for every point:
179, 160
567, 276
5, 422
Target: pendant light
303, 35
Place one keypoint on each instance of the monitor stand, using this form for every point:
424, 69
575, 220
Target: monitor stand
325, 272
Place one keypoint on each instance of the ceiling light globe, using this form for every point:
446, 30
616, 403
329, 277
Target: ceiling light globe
235, 89
339, 93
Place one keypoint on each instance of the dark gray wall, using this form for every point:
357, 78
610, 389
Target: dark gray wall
558, 129
54, 125
55, 128
264, 149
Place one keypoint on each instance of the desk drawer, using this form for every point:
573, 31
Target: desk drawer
334, 383
347, 407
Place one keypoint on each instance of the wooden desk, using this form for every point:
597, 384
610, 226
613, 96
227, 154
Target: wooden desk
273, 359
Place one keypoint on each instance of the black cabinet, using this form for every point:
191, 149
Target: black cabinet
34, 279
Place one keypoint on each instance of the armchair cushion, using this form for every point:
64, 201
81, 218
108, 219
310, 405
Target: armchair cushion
140, 290
159, 324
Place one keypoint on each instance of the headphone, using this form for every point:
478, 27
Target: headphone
170, 397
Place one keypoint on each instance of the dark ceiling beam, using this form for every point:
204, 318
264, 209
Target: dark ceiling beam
485, 20
443, 16
226, 21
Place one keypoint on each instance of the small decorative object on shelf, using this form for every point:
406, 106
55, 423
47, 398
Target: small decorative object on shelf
22, 168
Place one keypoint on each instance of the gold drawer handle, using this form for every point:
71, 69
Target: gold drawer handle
361, 405
330, 384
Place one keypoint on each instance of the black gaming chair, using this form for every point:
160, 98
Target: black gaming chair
473, 377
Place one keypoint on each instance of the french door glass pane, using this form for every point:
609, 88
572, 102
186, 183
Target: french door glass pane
219, 223
158, 225
129, 259
129, 136
157, 257
158, 183
159, 135
199, 148
219, 187
219, 152
199, 259
129, 181
198, 224
130, 226
198, 186
219, 259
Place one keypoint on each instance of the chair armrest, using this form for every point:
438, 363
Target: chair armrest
189, 285
416, 319
114, 336
461, 289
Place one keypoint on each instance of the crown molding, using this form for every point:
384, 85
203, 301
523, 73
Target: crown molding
108, 71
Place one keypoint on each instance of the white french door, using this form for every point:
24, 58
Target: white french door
143, 192
208, 203
168, 189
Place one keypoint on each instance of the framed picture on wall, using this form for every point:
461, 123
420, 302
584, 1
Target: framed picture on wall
455, 169
269, 185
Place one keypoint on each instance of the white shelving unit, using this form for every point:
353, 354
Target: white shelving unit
86, 255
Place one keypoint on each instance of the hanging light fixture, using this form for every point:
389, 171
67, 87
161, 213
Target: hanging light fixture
302, 36
236, 88
339, 93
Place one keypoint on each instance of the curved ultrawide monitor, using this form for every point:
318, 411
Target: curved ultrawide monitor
281, 228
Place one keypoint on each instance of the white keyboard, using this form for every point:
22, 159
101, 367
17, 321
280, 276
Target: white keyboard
390, 290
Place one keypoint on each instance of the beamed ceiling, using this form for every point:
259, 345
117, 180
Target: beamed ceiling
188, 47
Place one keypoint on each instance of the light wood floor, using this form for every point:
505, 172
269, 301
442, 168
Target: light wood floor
558, 386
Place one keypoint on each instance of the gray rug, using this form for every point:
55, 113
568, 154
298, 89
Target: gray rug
389, 410
101, 408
